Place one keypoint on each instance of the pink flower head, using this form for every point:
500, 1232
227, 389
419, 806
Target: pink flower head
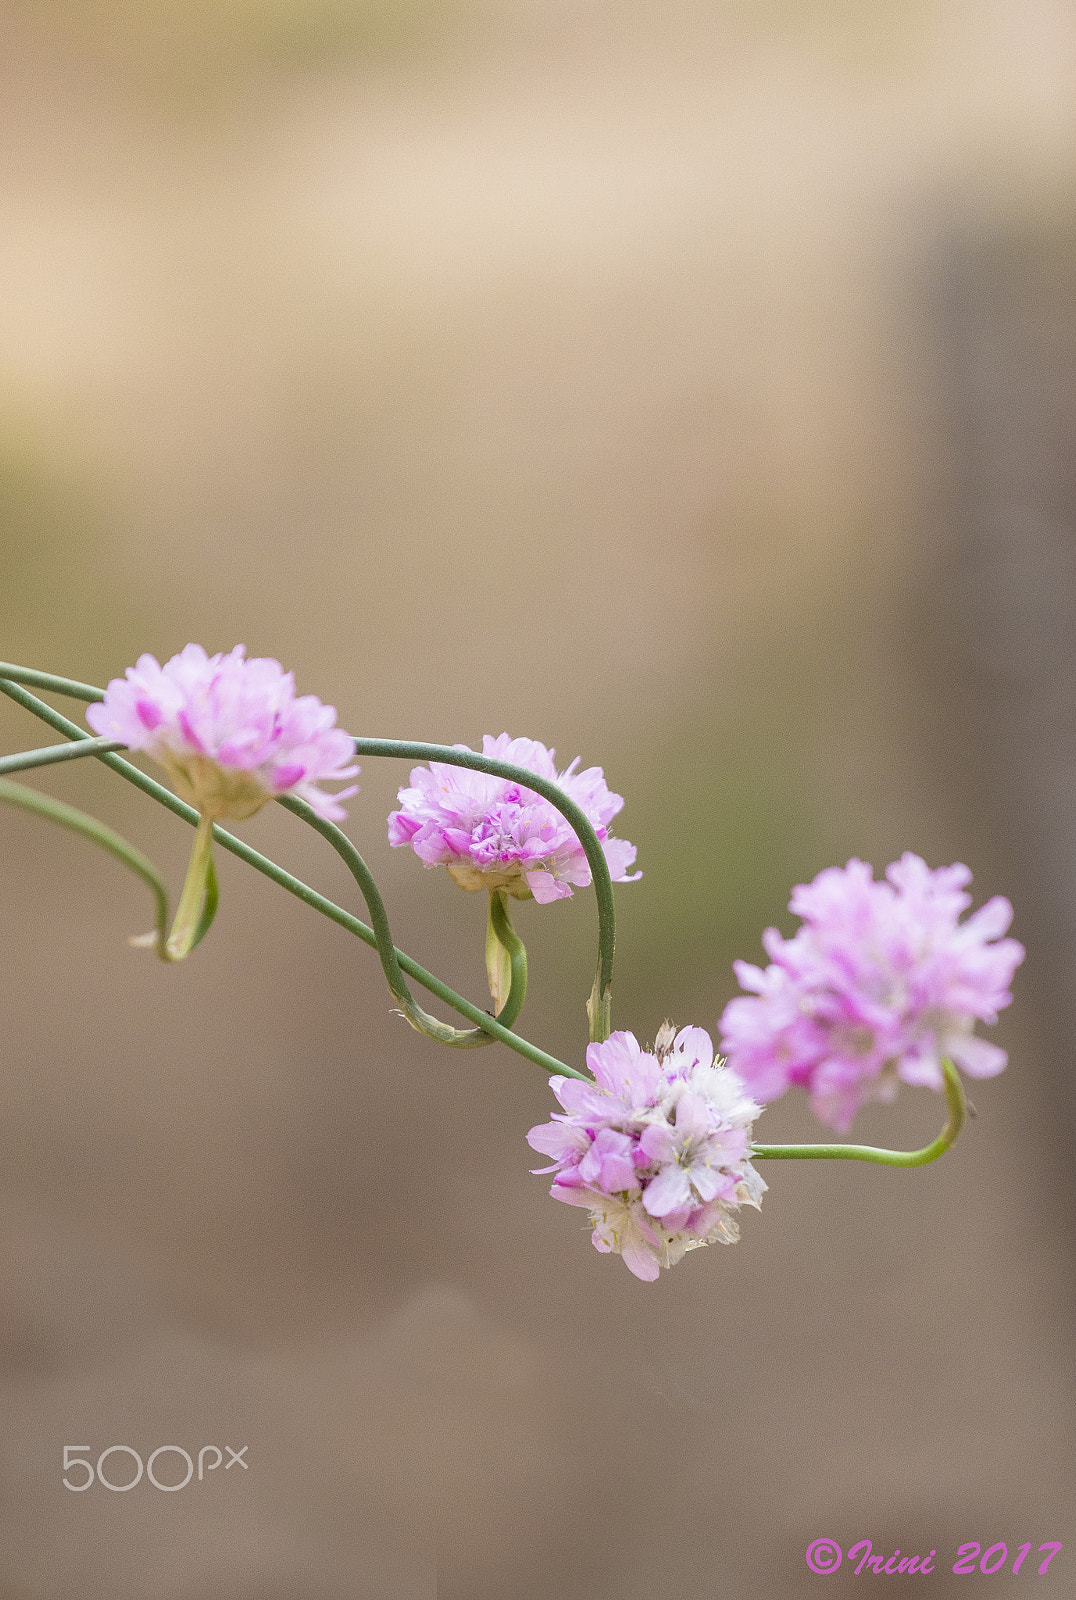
881, 983
231, 733
494, 834
657, 1148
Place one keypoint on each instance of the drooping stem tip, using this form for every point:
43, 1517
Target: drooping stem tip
956, 1102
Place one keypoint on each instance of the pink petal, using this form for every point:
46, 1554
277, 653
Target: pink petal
667, 1191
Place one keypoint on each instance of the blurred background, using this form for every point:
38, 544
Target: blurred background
691, 386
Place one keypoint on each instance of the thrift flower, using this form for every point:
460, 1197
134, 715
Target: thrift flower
880, 984
494, 834
657, 1148
232, 736
230, 732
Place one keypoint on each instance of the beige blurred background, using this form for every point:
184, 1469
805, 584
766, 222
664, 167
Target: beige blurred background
691, 386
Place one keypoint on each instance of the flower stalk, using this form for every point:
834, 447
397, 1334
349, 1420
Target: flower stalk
506, 961
505, 954
956, 1101
50, 754
420, 1020
574, 815
10, 686
198, 901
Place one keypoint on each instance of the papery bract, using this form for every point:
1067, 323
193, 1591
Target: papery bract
880, 984
492, 833
232, 733
657, 1148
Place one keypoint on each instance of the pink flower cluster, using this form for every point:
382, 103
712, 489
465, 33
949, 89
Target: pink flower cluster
230, 732
494, 834
656, 1148
880, 984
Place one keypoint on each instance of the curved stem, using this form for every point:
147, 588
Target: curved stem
600, 1002
56, 752
44, 805
502, 933
599, 1006
269, 869
955, 1099
420, 1020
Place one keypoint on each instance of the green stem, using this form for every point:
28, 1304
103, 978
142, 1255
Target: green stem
48, 680
501, 933
599, 1006
52, 753
269, 869
44, 805
191, 921
420, 1020
955, 1099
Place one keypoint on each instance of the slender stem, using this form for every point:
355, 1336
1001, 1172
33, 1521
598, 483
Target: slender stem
45, 805
600, 1005
600, 1008
420, 1020
498, 961
48, 680
192, 901
286, 880
506, 937
954, 1096
56, 752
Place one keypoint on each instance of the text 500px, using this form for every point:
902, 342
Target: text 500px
159, 1469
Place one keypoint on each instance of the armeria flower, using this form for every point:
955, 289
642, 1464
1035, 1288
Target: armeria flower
657, 1148
880, 984
494, 834
231, 733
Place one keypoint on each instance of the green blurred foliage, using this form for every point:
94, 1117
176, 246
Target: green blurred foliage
184, 43
61, 591
736, 820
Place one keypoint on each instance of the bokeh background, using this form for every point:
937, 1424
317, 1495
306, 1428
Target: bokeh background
692, 386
